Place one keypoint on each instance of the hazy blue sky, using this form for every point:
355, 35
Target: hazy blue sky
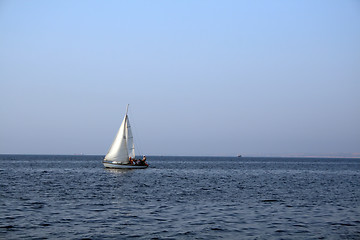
201, 77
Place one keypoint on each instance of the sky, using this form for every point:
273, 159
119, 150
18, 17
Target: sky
203, 78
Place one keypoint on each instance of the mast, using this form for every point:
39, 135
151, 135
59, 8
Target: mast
129, 137
127, 108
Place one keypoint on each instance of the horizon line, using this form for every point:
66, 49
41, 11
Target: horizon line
343, 155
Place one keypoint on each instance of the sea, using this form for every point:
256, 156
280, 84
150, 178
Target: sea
75, 197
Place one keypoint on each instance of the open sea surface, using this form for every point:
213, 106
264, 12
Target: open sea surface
75, 197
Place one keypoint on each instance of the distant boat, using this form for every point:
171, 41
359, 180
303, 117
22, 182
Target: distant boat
122, 151
239, 155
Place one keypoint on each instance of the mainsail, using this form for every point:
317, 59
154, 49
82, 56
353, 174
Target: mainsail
123, 145
130, 140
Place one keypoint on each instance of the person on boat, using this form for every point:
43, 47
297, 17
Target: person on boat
131, 162
143, 161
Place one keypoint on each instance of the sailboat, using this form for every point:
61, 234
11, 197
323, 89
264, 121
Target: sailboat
122, 150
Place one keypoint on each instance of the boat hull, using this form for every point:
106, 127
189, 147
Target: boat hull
123, 166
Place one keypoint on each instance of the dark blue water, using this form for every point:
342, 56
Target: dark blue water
74, 197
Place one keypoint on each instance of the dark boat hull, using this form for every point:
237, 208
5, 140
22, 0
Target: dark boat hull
109, 164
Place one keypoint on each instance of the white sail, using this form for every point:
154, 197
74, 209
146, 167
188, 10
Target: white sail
130, 140
118, 151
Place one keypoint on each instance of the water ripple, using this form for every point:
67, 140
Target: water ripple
179, 198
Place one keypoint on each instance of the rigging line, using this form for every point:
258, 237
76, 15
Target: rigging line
137, 142
136, 138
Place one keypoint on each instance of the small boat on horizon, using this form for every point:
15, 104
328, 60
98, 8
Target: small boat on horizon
122, 151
